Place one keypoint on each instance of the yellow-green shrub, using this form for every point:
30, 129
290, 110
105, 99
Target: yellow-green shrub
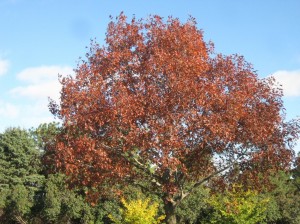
237, 206
138, 212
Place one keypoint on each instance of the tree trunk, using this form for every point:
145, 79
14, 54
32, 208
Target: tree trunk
170, 212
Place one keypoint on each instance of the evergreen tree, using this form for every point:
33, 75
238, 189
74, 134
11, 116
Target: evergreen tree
20, 177
284, 205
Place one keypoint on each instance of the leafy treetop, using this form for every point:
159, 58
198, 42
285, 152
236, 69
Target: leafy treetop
156, 103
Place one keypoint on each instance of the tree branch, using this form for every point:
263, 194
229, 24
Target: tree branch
197, 184
136, 163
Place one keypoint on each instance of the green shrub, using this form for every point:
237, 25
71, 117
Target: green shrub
138, 212
237, 206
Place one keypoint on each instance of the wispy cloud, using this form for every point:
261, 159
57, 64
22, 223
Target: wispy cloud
8, 110
28, 106
41, 82
290, 81
4, 66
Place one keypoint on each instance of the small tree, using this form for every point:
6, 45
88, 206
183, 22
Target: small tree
156, 104
237, 206
138, 212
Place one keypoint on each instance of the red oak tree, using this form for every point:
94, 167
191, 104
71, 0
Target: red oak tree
157, 104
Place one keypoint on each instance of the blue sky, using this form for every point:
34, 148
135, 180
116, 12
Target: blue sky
41, 38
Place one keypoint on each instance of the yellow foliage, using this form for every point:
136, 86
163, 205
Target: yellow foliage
238, 206
138, 212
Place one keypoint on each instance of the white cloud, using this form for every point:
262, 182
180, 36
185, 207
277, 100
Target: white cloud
42, 90
8, 110
4, 65
27, 104
35, 113
25, 116
290, 81
41, 82
43, 73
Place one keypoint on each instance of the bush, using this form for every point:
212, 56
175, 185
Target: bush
237, 206
138, 212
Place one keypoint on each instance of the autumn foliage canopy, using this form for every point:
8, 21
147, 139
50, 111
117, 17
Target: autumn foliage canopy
157, 104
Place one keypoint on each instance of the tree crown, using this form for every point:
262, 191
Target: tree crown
156, 102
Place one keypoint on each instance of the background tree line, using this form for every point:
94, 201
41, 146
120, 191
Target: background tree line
30, 194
